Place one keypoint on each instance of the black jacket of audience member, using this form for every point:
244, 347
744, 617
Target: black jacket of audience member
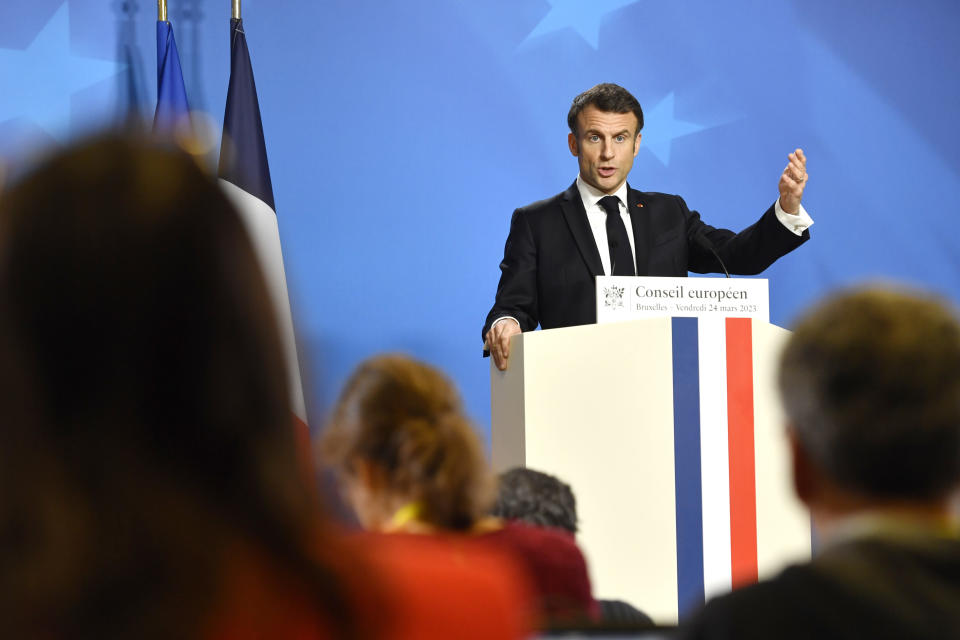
870, 587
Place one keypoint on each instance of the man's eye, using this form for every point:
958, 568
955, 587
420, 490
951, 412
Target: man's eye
621, 138
594, 138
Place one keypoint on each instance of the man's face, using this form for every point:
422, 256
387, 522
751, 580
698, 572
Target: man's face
605, 145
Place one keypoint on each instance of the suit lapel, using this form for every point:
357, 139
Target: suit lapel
576, 217
640, 221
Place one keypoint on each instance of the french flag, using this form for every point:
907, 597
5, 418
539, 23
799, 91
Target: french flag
727, 524
245, 177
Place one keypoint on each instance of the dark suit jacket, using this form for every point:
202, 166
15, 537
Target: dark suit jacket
551, 258
869, 588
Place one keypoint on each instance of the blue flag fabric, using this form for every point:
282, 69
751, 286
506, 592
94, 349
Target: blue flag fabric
243, 152
172, 104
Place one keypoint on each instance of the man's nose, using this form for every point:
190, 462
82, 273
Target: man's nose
606, 150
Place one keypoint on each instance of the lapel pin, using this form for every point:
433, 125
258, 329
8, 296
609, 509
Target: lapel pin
640, 204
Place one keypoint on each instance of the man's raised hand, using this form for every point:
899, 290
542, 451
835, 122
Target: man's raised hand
792, 182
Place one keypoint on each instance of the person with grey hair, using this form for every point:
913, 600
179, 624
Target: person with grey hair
544, 500
870, 382
536, 498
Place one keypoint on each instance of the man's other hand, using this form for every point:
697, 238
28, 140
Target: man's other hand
792, 182
498, 341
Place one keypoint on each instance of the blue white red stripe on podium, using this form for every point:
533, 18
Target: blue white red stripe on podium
687, 467
715, 474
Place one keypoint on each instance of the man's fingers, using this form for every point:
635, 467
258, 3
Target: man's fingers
504, 340
792, 183
795, 170
499, 341
495, 352
791, 186
798, 162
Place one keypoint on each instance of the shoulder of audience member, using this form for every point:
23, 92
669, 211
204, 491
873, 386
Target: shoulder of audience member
260, 598
540, 546
758, 611
448, 586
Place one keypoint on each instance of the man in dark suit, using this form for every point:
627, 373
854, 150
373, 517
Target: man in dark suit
871, 386
600, 226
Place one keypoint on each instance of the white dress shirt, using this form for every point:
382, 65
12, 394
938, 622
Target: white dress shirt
597, 217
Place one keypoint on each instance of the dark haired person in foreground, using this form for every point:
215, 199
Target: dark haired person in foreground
871, 386
602, 226
149, 477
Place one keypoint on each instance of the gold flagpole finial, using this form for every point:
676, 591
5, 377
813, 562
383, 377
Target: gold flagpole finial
236, 9
162, 10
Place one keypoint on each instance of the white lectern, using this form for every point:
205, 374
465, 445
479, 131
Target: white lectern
670, 433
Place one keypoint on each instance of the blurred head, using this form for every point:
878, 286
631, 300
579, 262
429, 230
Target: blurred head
870, 381
605, 123
144, 404
399, 436
537, 498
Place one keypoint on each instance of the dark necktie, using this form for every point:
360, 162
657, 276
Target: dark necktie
621, 257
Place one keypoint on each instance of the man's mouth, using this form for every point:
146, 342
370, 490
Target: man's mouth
606, 172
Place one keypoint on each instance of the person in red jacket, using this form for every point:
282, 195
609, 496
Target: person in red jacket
410, 462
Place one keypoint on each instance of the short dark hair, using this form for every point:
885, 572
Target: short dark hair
537, 498
607, 97
870, 381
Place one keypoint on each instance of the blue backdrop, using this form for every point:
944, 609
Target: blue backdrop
402, 135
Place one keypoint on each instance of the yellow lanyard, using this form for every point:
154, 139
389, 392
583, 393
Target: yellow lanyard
406, 514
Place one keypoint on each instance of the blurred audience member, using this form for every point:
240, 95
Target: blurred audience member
544, 500
536, 498
870, 382
411, 462
149, 485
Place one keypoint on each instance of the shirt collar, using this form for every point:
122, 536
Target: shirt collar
880, 525
590, 195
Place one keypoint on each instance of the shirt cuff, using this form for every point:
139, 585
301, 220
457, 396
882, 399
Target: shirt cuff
502, 318
796, 223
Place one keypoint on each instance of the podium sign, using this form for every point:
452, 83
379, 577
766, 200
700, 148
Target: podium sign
634, 297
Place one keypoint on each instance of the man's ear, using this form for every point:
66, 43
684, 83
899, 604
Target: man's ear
572, 143
805, 482
636, 144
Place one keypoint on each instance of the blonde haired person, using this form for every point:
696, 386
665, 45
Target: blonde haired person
410, 462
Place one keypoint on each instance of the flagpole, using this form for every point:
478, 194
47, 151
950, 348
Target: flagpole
162, 10
236, 9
